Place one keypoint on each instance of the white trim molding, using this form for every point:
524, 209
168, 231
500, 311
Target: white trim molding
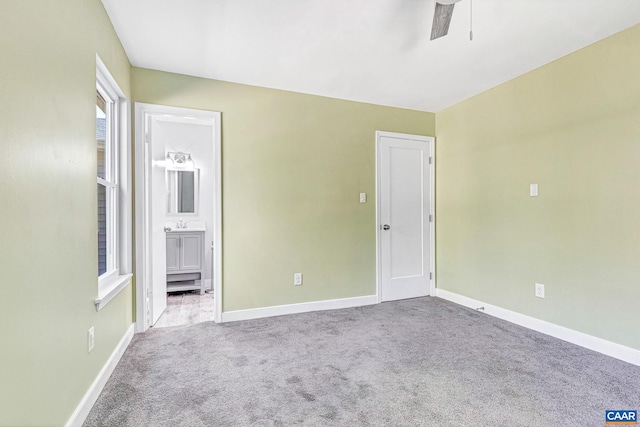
590, 342
89, 399
305, 307
109, 285
107, 292
142, 216
432, 211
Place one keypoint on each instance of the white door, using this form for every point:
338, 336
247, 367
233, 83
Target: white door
158, 215
404, 215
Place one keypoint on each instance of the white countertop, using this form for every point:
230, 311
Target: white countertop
190, 226
184, 230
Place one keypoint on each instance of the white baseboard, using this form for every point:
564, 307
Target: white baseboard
305, 307
90, 397
609, 348
207, 284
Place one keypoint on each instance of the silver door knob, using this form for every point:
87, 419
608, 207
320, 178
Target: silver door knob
386, 227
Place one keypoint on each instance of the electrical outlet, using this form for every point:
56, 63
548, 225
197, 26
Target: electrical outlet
90, 338
363, 197
297, 279
539, 290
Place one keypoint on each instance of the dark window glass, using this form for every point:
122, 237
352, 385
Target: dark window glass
102, 229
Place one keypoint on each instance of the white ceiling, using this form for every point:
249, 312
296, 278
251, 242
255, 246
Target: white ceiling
375, 51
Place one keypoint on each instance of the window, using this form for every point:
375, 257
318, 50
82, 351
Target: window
113, 188
107, 183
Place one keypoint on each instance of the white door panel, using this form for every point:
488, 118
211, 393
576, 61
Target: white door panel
404, 207
158, 242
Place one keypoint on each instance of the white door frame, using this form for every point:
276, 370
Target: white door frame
142, 213
432, 211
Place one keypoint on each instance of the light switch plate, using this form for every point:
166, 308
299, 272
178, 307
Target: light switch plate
533, 190
297, 279
363, 197
90, 339
539, 290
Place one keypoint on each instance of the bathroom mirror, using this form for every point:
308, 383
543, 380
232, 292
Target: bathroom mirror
182, 189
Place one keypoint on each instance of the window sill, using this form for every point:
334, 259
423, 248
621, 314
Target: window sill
112, 287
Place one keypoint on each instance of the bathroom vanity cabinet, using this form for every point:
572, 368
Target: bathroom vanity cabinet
185, 260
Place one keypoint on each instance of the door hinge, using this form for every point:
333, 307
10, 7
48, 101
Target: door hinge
430, 218
430, 159
430, 275
146, 138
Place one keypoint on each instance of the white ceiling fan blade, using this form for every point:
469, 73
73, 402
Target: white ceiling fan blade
442, 19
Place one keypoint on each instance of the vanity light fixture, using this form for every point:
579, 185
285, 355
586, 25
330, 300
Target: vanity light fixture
181, 160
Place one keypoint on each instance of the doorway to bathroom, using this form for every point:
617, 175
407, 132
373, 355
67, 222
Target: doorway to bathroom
178, 216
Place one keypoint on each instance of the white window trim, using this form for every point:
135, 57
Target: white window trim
111, 180
110, 285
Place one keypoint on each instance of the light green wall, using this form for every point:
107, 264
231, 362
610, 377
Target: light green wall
48, 256
293, 167
573, 127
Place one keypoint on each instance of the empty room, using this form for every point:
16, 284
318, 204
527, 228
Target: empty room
321, 213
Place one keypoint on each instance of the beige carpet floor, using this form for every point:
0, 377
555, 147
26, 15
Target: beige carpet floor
420, 362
